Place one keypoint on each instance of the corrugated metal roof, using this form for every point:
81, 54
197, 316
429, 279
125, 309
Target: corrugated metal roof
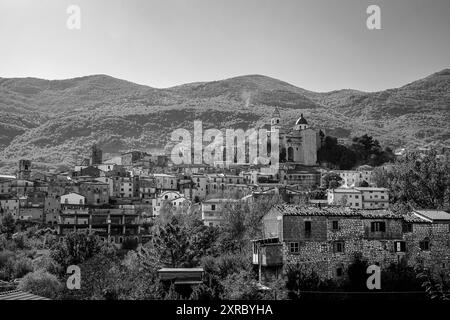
414, 219
20, 295
433, 214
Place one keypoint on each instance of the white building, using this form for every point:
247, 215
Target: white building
174, 197
73, 199
359, 197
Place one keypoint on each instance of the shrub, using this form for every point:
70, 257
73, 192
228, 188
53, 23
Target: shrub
41, 283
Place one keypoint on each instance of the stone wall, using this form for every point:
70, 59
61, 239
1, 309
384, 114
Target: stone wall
318, 252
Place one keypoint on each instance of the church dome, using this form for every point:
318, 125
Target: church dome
301, 120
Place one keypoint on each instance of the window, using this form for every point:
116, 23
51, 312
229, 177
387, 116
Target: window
307, 228
294, 247
213, 207
335, 225
378, 226
425, 244
338, 246
407, 227
400, 246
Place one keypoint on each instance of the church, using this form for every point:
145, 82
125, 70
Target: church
298, 145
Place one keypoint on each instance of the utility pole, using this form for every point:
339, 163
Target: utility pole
259, 263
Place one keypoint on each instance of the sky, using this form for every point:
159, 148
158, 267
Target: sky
314, 44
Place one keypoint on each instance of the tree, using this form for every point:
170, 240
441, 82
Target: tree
363, 184
75, 248
301, 277
420, 180
8, 226
171, 244
336, 154
357, 274
435, 287
41, 283
233, 236
100, 279
318, 194
241, 286
331, 180
365, 146
399, 277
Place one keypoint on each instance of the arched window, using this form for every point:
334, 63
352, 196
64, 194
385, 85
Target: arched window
290, 154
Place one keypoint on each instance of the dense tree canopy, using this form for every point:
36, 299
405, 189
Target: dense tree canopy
363, 150
418, 180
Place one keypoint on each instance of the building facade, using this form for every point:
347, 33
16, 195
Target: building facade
327, 240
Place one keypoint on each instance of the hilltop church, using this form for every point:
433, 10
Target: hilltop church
298, 145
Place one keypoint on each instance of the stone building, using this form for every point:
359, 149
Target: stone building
96, 193
326, 240
24, 169
130, 158
96, 155
300, 143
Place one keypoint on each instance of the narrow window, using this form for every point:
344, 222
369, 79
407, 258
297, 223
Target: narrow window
425, 244
335, 225
307, 228
400, 246
338, 247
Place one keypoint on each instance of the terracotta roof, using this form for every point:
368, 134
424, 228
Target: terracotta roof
297, 210
294, 210
379, 213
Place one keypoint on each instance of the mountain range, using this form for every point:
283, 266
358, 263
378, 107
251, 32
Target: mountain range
54, 122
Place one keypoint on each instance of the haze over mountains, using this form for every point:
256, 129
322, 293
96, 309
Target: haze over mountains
52, 121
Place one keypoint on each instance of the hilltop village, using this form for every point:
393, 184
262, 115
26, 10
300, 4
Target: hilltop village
324, 216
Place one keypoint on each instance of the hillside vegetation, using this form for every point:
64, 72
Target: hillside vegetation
52, 121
